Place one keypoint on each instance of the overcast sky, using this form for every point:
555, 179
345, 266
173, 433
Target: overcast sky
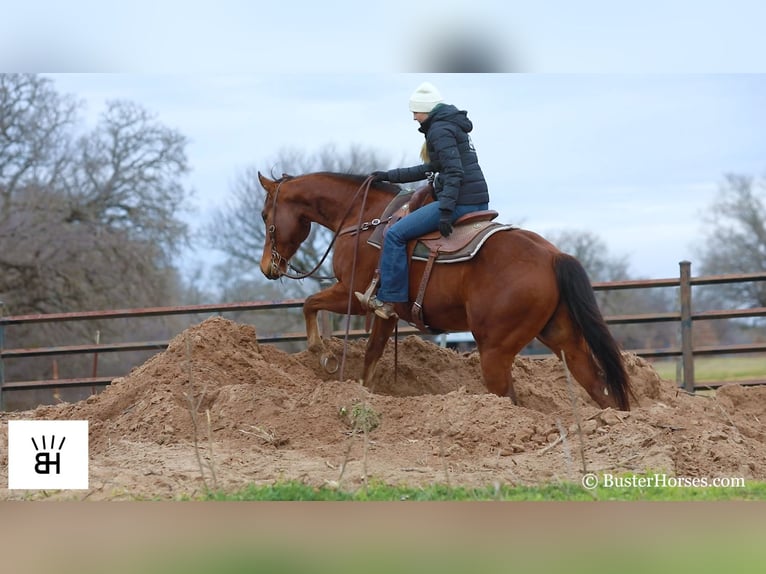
635, 158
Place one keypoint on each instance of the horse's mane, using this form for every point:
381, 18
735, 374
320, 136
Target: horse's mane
358, 179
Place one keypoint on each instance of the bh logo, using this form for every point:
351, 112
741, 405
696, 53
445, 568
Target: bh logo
47, 454
44, 462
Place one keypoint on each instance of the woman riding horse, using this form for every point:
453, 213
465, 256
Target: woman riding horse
459, 186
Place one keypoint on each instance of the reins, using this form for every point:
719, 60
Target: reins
366, 185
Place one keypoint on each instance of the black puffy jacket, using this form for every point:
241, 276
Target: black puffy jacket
452, 155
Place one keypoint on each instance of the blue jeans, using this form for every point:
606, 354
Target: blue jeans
394, 265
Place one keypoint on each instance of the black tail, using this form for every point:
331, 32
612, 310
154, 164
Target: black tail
577, 291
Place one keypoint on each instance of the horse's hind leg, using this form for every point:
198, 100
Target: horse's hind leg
561, 337
497, 372
498, 347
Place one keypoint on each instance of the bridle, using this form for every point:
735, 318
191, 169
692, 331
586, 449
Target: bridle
277, 258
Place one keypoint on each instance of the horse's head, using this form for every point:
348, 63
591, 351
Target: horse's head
286, 227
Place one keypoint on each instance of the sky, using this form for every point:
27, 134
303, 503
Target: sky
593, 116
636, 159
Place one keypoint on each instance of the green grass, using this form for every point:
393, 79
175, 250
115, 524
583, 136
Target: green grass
714, 369
296, 491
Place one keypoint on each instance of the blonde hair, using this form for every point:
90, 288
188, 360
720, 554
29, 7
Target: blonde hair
424, 153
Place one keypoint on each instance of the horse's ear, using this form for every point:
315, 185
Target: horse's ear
265, 181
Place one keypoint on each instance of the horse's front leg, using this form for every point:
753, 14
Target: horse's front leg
334, 299
376, 344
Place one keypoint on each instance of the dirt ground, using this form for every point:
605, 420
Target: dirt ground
219, 410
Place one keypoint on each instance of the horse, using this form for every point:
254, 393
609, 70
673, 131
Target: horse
516, 288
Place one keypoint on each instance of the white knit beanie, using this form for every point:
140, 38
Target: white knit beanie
425, 98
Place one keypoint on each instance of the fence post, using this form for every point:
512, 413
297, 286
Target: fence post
687, 346
2, 346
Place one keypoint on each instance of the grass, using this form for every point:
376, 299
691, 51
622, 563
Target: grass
296, 491
716, 369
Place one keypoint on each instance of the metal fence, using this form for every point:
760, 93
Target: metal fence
684, 315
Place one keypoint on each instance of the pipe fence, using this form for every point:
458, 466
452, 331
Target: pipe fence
685, 316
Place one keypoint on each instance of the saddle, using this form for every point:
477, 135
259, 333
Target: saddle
404, 203
469, 233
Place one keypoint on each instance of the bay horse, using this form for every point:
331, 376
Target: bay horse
518, 287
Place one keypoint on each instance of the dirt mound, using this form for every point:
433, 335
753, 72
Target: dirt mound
218, 409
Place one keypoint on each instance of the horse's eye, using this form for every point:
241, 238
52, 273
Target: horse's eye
263, 216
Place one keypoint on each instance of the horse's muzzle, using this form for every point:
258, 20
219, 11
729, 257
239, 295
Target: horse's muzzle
273, 274
271, 270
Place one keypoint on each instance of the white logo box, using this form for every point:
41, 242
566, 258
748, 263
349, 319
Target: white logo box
47, 455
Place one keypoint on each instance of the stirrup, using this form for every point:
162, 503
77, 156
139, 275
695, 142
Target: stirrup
364, 298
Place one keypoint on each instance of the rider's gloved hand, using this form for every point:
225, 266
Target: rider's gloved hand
445, 223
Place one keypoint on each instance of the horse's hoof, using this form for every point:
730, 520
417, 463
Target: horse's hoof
316, 347
330, 363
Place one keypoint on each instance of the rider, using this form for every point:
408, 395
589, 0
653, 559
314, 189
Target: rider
459, 186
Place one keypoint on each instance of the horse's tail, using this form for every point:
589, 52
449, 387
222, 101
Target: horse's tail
577, 291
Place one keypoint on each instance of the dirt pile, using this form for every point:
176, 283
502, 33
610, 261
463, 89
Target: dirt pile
259, 415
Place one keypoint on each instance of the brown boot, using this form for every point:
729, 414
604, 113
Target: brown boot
382, 309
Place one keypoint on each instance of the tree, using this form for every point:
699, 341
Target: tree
92, 223
52, 263
35, 134
88, 222
127, 176
735, 242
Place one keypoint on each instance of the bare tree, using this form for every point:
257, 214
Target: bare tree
101, 233
735, 238
51, 263
88, 222
35, 132
127, 176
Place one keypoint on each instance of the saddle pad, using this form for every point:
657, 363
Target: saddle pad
464, 242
